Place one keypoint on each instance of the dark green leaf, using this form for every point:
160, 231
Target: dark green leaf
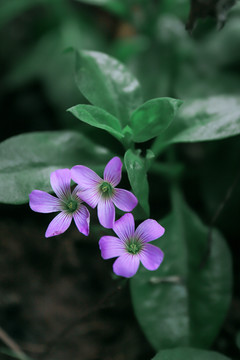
179, 8
137, 175
203, 9
27, 160
10, 9
182, 303
153, 117
189, 354
108, 84
203, 120
99, 118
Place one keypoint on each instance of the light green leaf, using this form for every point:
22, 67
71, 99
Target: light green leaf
137, 175
108, 84
14, 355
119, 7
189, 354
203, 120
99, 118
27, 160
153, 117
182, 303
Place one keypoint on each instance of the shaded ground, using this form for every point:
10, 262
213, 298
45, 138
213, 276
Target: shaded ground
48, 285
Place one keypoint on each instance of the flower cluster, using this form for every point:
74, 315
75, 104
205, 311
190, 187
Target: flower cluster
131, 246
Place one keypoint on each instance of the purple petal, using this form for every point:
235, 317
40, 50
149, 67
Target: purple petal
59, 224
124, 200
126, 265
151, 257
149, 230
90, 196
82, 220
124, 227
85, 177
113, 171
42, 202
106, 213
60, 182
76, 192
111, 247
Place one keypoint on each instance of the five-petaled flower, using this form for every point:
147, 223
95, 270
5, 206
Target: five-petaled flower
132, 246
69, 203
102, 192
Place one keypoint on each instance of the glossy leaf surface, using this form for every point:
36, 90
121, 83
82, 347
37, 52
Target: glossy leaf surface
27, 160
182, 303
108, 84
153, 117
203, 120
99, 118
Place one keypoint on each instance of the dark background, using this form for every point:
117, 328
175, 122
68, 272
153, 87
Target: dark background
47, 285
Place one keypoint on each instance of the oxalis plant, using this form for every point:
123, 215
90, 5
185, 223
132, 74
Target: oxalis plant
181, 284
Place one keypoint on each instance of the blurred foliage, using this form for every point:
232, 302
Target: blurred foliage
132, 60
183, 303
188, 353
205, 8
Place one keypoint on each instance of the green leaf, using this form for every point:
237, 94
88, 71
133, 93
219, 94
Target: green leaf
27, 160
99, 118
189, 354
10, 9
137, 175
153, 117
203, 120
116, 6
14, 355
182, 303
107, 83
213, 8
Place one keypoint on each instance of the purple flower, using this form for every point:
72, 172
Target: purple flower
102, 192
67, 202
132, 246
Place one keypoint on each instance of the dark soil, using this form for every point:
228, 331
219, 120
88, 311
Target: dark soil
61, 284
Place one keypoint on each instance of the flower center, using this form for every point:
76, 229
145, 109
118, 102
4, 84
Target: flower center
134, 246
72, 205
106, 189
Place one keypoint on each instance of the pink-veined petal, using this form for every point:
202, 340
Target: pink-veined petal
124, 227
124, 200
59, 224
149, 230
151, 257
82, 219
85, 177
76, 192
126, 265
42, 202
113, 171
106, 213
90, 196
111, 247
60, 182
